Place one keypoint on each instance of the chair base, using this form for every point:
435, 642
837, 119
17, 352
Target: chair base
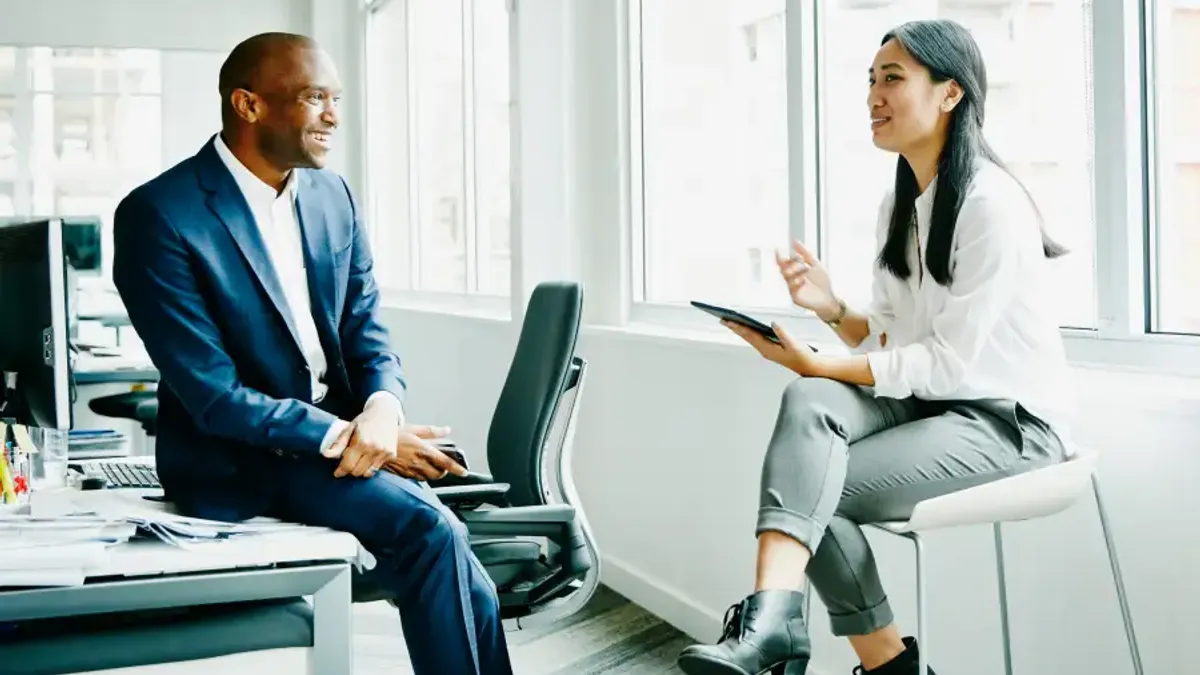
902, 530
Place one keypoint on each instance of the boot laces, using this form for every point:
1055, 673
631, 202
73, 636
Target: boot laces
735, 622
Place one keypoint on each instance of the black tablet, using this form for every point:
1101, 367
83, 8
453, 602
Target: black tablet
739, 318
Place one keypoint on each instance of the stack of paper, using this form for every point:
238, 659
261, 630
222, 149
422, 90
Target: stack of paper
59, 550
56, 552
159, 520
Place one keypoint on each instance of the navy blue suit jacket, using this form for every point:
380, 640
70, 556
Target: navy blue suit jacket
235, 391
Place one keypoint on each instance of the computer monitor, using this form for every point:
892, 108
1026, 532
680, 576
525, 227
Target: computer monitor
34, 357
81, 244
81, 240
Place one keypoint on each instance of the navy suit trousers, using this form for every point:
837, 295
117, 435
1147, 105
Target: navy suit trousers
448, 605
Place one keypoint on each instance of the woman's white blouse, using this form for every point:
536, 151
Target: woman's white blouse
992, 333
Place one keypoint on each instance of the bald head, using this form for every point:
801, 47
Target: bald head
257, 60
279, 98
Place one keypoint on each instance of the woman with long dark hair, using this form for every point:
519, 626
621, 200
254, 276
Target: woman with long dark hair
957, 375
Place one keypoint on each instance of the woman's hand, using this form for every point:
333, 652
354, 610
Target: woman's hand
797, 357
808, 282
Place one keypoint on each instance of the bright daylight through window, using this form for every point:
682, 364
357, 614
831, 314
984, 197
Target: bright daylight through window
81, 127
714, 136
714, 150
1175, 139
438, 157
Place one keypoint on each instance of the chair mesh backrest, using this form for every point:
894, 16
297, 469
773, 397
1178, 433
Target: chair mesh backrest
533, 389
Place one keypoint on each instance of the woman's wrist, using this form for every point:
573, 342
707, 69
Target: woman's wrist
834, 312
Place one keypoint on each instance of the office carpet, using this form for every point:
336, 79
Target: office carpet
609, 635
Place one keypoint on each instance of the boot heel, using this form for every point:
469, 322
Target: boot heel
793, 667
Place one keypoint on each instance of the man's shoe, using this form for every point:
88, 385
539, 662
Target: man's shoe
763, 634
905, 663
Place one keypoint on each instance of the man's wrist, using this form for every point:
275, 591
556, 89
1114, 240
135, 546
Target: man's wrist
388, 402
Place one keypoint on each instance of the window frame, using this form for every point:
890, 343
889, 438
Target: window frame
802, 165
472, 302
1123, 195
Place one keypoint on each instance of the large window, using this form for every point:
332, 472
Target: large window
438, 144
1175, 150
714, 150
718, 124
81, 127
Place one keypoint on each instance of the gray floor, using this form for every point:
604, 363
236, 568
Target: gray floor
610, 635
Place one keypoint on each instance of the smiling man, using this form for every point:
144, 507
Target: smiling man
247, 273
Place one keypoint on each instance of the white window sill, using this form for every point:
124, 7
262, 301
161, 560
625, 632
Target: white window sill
490, 307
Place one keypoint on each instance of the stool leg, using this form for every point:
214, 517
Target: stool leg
922, 626
808, 591
1126, 615
1003, 584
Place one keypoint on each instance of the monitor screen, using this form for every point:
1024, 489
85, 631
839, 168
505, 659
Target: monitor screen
81, 243
81, 240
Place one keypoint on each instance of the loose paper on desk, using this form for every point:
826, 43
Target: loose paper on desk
159, 520
55, 552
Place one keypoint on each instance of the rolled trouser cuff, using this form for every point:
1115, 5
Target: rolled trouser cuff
795, 525
864, 622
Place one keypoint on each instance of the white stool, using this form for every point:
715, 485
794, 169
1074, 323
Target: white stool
1034, 494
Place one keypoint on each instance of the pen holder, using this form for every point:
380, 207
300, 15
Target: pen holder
16, 476
49, 461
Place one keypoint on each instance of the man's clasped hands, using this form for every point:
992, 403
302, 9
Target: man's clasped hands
375, 441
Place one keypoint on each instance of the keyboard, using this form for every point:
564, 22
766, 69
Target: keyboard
122, 474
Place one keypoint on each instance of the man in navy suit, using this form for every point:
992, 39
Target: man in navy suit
247, 273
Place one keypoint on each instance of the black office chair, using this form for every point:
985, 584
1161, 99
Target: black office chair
140, 406
526, 523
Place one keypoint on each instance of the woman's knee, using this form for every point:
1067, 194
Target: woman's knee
811, 395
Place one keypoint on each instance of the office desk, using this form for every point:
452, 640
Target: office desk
151, 574
104, 369
147, 375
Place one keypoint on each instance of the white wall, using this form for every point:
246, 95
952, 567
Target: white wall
670, 444
161, 24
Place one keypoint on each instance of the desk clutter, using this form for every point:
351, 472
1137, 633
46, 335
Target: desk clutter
63, 534
23, 461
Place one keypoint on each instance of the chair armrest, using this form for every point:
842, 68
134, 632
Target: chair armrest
487, 493
556, 522
532, 521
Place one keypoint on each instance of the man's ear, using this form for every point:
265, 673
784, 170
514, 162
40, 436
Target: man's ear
247, 106
954, 94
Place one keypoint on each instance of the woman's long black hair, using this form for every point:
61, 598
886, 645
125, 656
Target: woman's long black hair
950, 53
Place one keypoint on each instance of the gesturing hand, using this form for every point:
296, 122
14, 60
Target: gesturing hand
419, 459
807, 281
795, 356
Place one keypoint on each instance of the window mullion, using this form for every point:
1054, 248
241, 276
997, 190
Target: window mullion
1119, 148
413, 152
635, 195
802, 49
470, 196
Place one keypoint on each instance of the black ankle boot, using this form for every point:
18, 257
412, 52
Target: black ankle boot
906, 663
765, 633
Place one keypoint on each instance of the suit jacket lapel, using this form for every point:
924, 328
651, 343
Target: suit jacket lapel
318, 261
227, 202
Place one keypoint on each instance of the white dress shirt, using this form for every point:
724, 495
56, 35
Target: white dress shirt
275, 215
992, 333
